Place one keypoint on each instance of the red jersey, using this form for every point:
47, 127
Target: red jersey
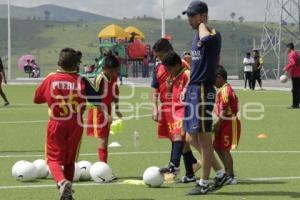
227, 101
66, 94
159, 79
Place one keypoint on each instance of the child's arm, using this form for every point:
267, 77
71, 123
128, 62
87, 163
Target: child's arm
39, 96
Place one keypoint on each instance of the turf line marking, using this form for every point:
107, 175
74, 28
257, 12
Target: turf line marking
152, 152
121, 183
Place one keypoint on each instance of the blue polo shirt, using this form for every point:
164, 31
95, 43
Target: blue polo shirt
205, 57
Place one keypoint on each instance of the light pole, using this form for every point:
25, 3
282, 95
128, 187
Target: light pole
8, 41
163, 20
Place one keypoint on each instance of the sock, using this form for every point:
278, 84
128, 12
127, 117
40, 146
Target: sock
69, 170
189, 160
203, 182
220, 173
102, 154
176, 153
56, 171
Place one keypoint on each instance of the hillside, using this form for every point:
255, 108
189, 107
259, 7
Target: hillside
45, 39
55, 13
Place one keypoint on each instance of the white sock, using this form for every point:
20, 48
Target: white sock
203, 182
220, 173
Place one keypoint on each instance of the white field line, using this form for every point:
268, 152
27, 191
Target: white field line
263, 179
151, 152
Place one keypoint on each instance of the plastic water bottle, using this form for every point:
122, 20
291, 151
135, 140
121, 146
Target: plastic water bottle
136, 138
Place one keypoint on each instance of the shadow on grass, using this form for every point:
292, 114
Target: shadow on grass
260, 182
261, 194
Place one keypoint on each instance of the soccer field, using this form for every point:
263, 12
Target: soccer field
266, 168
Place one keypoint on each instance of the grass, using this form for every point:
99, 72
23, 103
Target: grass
255, 158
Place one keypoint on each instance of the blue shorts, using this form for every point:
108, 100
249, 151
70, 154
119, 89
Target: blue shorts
199, 105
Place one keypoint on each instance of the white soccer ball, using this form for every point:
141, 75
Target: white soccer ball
26, 171
42, 168
283, 78
77, 173
85, 167
152, 177
16, 166
101, 172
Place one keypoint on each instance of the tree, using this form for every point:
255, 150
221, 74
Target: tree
241, 19
47, 15
233, 15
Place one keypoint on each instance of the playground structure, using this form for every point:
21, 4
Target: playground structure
127, 44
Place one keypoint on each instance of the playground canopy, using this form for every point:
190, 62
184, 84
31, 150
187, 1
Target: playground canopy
113, 31
131, 29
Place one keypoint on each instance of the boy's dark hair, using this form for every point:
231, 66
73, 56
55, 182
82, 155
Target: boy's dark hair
290, 46
221, 71
69, 58
171, 59
162, 45
111, 62
248, 54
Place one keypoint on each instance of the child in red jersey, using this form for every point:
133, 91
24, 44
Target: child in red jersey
66, 94
164, 119
99, 119
227, 128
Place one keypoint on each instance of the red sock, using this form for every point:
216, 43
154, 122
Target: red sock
102, 154
69, 171
56, 171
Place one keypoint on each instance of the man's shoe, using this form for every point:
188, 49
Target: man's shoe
6, 104
219, 182
186, 179
65, 191
199, 190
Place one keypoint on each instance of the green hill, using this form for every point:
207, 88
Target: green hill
44, 39
55, 13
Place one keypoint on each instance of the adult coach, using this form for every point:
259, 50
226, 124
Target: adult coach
2, 77
294, 70
200, 92
258, 64
248, 69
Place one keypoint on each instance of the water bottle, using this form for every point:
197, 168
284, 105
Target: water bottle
136, 138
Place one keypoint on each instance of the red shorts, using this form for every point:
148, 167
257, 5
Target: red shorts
228, 136
63, 141
98, 124
170, 123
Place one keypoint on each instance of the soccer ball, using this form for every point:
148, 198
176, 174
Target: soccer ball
152, 177
85, 167
42, 168
101, 172
283, 78
16, 166
26, 171
77, 173
116, 126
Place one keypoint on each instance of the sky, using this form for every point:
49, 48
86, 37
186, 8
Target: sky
251, 10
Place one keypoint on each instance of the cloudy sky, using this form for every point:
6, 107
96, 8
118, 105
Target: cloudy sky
252, 10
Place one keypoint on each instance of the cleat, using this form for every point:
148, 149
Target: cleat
199, 190
231, 181
65, 191
220, 182
6, 104
186, 179
197, 166
170, 168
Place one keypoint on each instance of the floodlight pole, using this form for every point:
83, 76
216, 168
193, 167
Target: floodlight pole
163, 20
8, 42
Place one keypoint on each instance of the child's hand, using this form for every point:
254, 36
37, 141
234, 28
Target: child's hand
119, 114
216, 127
155, 114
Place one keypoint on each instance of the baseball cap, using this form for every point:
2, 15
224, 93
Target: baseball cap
196, 7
